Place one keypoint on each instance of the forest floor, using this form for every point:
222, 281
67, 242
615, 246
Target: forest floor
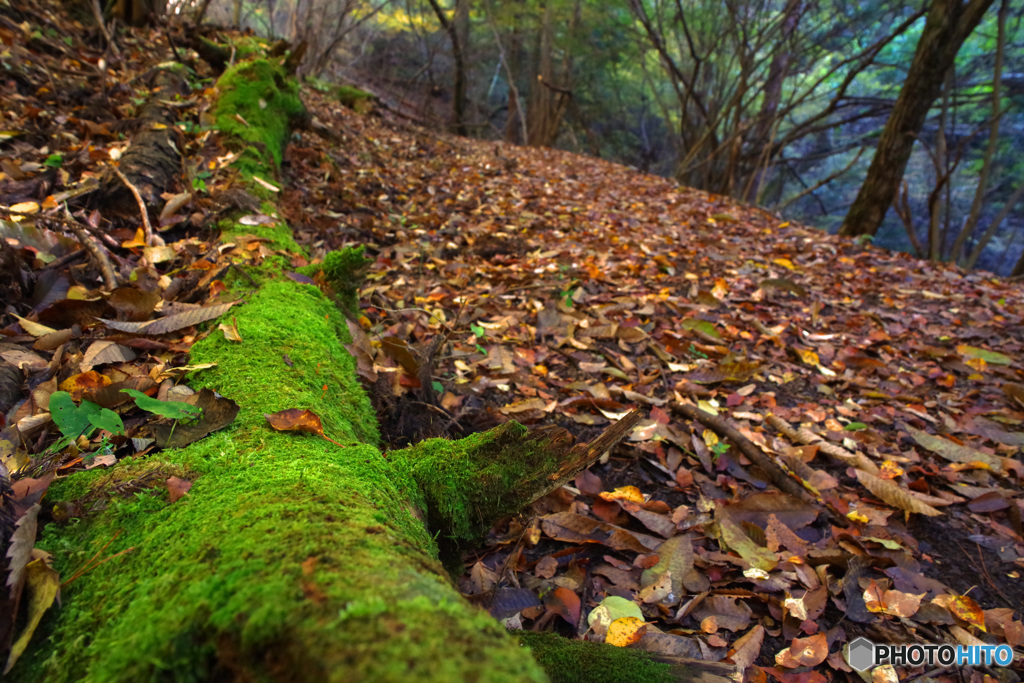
885, 394
568, 290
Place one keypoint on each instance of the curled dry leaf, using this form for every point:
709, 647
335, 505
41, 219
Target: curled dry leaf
231, 332
298, 420
804, 652
565, 603
895, 496
103, 352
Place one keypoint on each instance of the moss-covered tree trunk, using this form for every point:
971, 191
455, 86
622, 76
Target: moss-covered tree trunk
291, 558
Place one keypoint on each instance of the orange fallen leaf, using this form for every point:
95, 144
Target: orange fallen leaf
809, 651
623, 493
298, 420
965, 608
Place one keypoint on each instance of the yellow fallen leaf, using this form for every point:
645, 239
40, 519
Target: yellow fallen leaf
623, 493
34, 328
25, 207
808, 356
43, 585
625, 631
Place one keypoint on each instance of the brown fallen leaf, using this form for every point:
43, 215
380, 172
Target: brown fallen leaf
808, 651
568, 526
171, 323
43, 585
298, 420
177, 488
892, 494
747, 647
217, 412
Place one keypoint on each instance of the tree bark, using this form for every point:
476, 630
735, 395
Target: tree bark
947, 25
547, 102
457, 31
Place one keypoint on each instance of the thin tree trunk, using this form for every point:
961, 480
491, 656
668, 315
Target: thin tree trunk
515, 103
993, 226
548, 102
452, 28
941, 162
993, 143
948, 24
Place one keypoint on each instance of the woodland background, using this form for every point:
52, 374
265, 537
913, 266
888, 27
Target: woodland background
780, 103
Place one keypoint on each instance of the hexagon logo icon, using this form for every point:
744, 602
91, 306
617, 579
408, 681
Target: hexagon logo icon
862, 654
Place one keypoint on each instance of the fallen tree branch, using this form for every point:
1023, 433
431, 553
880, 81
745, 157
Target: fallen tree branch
775, 473
583, 455
809, 438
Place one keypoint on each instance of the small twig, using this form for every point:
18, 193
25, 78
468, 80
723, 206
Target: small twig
92, 564
105, 559
988, 577
146, 226
65, 259
86, 240
104, 237
582, 455
431, 406
97, 13
241, 271
824, 181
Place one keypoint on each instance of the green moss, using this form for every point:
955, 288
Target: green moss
290, 558
85, 491
268, 104
344, 272
354, 98
278, 234
286, 545
579, 661
248, 45
469, 483
285, 317
224, 561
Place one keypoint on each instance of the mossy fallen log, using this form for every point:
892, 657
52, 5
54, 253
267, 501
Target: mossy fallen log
291, 558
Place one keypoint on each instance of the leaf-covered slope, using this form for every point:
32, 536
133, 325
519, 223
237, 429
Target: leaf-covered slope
568, 290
